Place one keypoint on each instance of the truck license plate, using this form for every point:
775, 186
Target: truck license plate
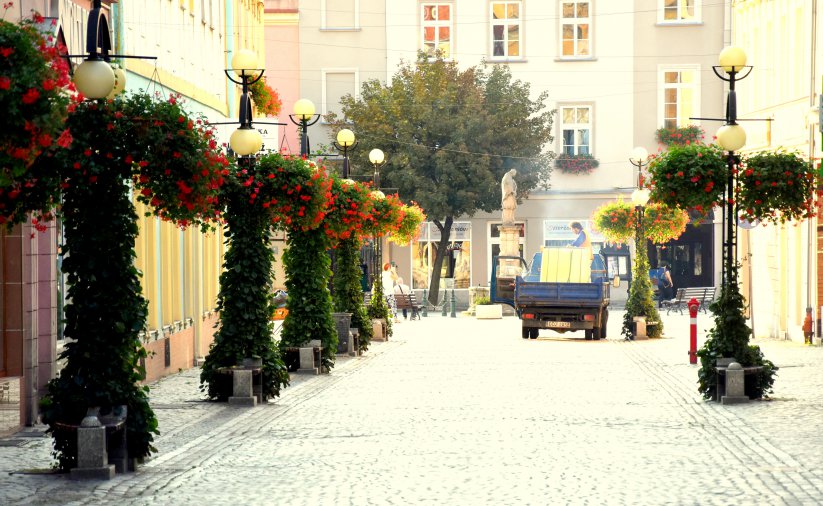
562, 325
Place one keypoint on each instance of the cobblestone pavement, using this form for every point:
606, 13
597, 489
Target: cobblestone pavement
463, 411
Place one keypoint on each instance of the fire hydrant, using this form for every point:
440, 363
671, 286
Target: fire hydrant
694, 305
807, 327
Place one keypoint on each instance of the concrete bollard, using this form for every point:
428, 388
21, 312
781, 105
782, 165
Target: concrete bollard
735, 385
425, 312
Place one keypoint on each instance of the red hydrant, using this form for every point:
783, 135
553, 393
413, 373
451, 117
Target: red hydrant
694, 305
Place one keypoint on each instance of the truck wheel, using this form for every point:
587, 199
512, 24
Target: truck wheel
589, 334
534, 333
526, 331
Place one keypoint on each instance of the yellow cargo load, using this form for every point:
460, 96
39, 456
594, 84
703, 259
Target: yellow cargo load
565, 265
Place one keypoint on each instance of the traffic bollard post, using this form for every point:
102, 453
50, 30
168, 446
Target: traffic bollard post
694, 305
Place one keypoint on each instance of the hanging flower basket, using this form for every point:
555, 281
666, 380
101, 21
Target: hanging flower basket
576, 164
689, 176
690, 134
33, 84
777, 187
266, 99
409, 227
617, 222
663, 223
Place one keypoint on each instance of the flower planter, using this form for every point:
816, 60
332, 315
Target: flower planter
489, 311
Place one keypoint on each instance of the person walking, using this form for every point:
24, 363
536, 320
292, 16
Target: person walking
387, 277
665, 285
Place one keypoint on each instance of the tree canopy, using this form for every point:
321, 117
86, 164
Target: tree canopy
450, 135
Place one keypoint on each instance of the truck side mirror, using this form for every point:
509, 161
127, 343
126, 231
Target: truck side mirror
616, 281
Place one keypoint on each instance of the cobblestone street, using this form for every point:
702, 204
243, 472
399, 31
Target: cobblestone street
464, 411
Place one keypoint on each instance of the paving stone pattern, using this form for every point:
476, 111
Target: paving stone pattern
464, 411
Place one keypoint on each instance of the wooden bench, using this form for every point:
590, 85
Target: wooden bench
408, 302
703, 294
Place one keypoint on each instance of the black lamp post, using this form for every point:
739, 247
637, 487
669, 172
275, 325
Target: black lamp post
345, 142
246, 140
377, 159
640, 197
731, 137
304, 117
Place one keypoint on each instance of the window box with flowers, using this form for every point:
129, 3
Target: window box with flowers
681, 135
576, 164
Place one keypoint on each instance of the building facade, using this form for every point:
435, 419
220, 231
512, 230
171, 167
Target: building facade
780, 101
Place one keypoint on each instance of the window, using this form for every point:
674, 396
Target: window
575, 29
679, 96
339, 14
456, 269
679, 11
576, 128
338, 83
436, 24
506, 29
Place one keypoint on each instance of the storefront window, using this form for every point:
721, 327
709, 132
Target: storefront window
456, 269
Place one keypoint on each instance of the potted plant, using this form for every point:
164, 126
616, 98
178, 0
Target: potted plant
485, 310
576, 164
689, 134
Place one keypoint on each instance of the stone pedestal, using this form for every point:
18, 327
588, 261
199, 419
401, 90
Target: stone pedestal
509, 241
242, 391
735, 385
92, 458
310, 360
639, 323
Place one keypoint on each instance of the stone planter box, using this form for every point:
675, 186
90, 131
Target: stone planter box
489, 311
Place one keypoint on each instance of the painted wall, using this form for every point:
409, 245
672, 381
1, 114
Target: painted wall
282, 41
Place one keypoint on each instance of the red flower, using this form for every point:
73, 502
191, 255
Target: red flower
31, 96
6, 51
5, 83
65, 139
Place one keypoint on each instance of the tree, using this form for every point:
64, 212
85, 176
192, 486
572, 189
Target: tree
449, 136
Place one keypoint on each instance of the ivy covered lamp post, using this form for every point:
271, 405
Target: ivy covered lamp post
640, 303
729, 338
245, 301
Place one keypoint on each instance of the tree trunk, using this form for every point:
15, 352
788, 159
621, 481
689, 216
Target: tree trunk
445, 232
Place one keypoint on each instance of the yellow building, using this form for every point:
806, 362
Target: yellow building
779, 261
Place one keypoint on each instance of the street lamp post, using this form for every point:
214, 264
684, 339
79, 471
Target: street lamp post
377, 159
246, 140
345, 142
639, 157
731, 137
304, 117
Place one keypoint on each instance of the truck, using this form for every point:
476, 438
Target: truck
559, 291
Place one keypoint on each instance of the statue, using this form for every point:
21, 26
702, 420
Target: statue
509, 189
